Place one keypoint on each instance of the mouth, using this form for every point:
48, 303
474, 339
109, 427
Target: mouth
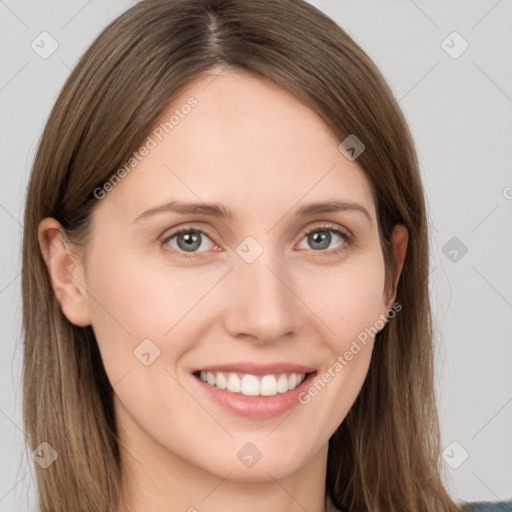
252, 390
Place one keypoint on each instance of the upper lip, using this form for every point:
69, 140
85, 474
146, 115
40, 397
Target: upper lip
256, 369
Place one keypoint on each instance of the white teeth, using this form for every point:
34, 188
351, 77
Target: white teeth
282, 384
220, 381
252, 385
234, 384
268, 386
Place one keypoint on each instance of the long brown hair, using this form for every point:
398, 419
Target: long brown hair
385, 456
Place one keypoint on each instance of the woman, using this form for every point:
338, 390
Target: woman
226, 273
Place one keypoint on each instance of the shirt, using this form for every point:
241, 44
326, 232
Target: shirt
487, 506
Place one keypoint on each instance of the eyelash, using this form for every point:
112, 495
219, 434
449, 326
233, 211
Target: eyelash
347, 240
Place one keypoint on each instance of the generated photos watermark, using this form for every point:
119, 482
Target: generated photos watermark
151, 142
344, 359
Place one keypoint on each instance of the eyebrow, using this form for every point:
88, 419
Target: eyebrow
332, 206
210, 209
220, 211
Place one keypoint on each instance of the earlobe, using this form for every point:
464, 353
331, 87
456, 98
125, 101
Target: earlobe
65, 271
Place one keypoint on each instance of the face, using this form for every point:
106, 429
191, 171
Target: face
240, 328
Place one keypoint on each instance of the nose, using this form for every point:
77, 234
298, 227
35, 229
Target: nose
261, 304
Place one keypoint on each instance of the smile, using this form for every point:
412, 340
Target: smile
256, 391
253, 385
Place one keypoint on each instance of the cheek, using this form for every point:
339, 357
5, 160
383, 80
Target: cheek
350, 304
349, 300
134, 298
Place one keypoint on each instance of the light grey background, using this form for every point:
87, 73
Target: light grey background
460, 113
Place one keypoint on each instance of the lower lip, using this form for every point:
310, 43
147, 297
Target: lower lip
257, 407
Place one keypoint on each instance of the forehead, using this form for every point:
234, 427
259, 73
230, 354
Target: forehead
245, 143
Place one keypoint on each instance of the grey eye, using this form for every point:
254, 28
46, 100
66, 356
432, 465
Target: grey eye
320, 239
189, 241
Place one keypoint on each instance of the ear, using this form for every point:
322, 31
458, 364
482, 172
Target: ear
399, 242
65, 270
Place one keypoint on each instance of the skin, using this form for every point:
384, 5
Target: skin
261, 153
